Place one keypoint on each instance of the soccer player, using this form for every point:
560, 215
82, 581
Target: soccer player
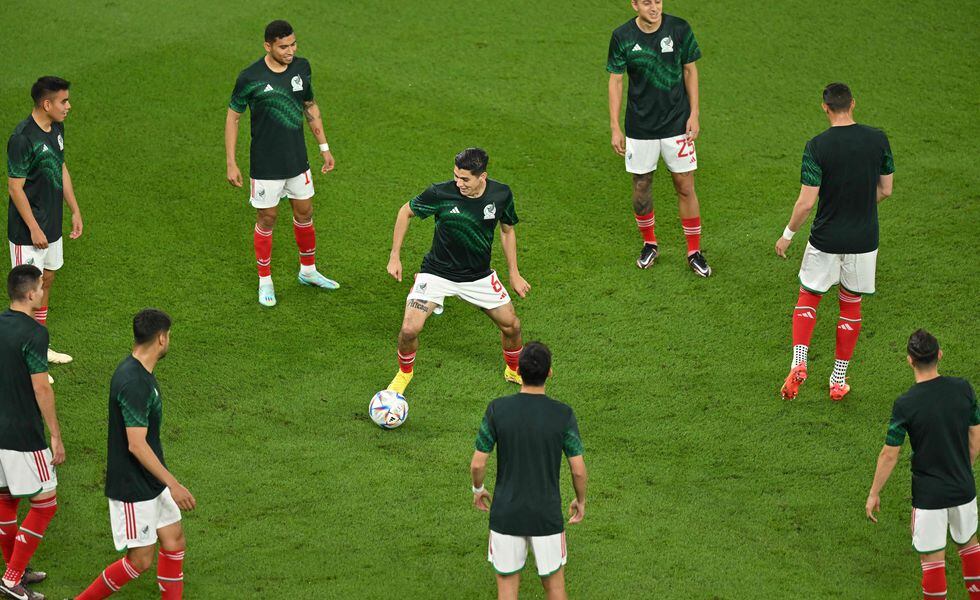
145, 499
530, 431
466, 210
662, 118
279, 91
38, 182
940, 416
849, 167
27, 462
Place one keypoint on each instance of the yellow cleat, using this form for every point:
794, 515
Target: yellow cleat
401, 381
512, 376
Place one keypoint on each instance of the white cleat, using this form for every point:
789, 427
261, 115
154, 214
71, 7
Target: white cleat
50, 378
267, 295
58, 358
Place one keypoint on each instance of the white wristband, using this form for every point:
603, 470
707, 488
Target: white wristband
478, 490
324, 147
788, 233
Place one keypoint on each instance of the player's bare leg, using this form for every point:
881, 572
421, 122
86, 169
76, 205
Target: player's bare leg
41, 315
508, 586
554, 585
416, 313
505, 317
170, 562
265, 224
643, 211
934, 573
306, 242
690, 211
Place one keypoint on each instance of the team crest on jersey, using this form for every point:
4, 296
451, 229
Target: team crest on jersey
667, 44
297, 83
61, 142
489, 211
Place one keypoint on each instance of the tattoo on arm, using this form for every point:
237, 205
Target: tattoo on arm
418, 305
312, 111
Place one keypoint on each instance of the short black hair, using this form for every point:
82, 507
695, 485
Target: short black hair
47, 86
277, 29
535, 363
473, 160
21, 281
148, 324
837, 96
923, 349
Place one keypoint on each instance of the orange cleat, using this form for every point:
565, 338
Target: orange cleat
796, 377
838, 391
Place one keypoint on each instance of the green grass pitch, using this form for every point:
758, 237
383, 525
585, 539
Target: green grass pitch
704, 484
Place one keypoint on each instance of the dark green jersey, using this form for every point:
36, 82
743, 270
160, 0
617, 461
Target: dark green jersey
463, 239
23, 352
530, 431
278, 148
134, 401
657, 106
846, 163
37, 156
937, 416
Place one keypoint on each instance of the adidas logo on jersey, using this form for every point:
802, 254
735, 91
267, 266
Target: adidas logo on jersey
455, 210
637, 48
44, 147
268, 87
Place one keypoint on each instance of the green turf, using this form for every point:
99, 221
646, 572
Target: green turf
703, 483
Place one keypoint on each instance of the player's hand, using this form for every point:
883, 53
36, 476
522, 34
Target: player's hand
872, 506
395, 267
519, 285
482, 501
234, 176
76, 226
782, 244
619, 142
328, 162
693, 128
183, 497
38, 239
576, 512
57, 451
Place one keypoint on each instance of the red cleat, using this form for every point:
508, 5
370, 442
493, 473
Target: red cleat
796, 377
838, 391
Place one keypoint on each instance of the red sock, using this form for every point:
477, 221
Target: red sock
306, 241
645, 224
29, 537
262, 241
109, 581
970, 557
406, 362
805, 317
934, 580
692, 231
848, 325
8, 524
170, 574
513, 357
41, 315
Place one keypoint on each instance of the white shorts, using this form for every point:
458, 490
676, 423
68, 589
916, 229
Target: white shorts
678, 153
27, 473
51, 258
135, 524
487, 293
508, 553
266, 193
929, 526
854, 272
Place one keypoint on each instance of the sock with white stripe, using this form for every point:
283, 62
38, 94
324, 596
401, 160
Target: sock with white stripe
110, 581
934, 580
970, 557
848, 330
306, 242
692, 231
804, 319
8, 524
170, 574
41, 315
29, 537
262, 242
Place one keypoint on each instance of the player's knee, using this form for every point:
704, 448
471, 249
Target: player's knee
408, 333
303, 215
266, 219
178, 543
641, 185
141, 558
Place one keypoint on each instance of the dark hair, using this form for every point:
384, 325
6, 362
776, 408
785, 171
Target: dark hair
923, 348
148, 324
473, 160
837, 97
47, 86
535, 363
21, 280
277, 29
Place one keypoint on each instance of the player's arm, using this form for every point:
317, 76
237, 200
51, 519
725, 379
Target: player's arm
693, 128
315, 120
801, 211
508, 239
580, 479
615, 105
885, 186
69, 191
44, 394
887, 460
974, 443
397, 238
138, 447
478, 472
15, 187
234, 174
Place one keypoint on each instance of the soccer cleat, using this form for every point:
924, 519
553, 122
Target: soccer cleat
512, 376
838, 391
315, 279
31, 576
648, 254
267, 295
58, 358
50, 378
400, 382
796, 377
19, 592
699, 265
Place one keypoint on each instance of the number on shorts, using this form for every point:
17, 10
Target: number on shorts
497, 287
307, 175
683, 153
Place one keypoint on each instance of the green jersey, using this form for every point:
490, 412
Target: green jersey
23, 352
846, 163
463, 238
937, 416
278, 148
134, 401
37, 156
530, 431
657, 106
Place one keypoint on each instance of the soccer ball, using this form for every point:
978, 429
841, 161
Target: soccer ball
388, 409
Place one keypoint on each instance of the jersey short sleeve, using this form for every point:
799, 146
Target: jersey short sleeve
239, 99
897, 427
690, 50
486, 439
134, 400
509, 214
18, 156
810, 174
571, 442
425, 204
887, 161
974, 410
616, 61
308, 90
35, 352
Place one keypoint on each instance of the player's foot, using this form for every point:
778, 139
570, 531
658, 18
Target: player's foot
796, 377
512, 376
400, 382
838, 391
647, 255
31, 576
315, 279
19, 591
267, 295
699, 265
50, 378
58, 358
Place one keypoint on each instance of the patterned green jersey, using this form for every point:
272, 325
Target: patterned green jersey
463, 239
846, 163
278, 148
23, 352
37, 156
134, 401
531, 432
657, 106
